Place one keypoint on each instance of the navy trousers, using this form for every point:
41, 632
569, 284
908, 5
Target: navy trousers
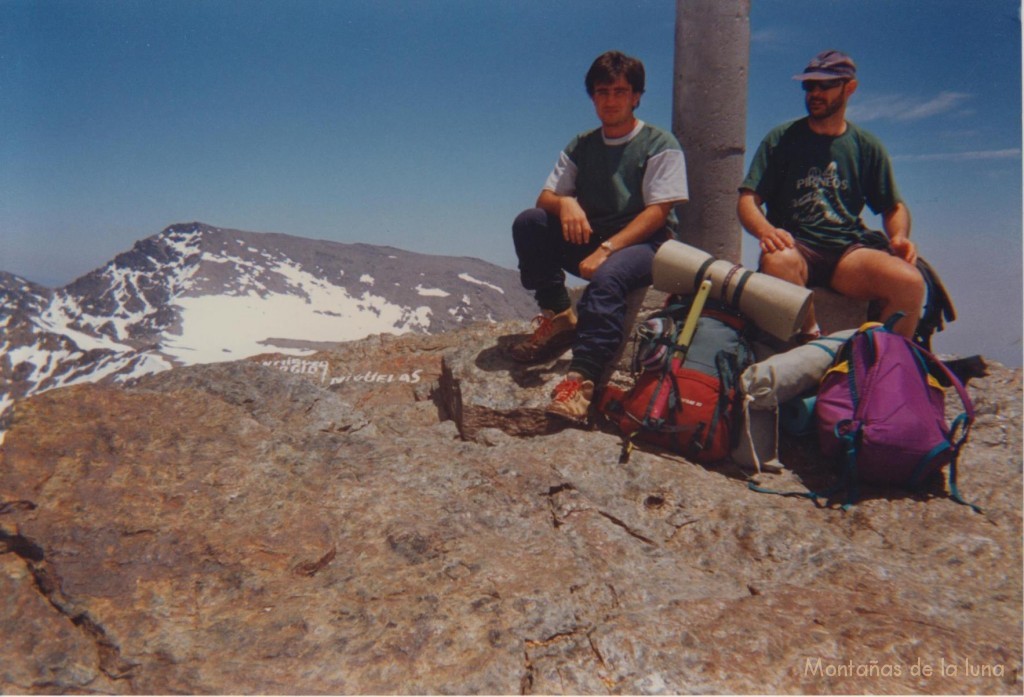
545, 257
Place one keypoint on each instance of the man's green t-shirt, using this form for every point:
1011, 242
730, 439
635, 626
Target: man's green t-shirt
614, 179
816, 186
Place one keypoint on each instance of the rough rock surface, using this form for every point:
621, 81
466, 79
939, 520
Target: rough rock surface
395, 515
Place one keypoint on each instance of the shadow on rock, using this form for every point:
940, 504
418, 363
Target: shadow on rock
818, 474
495, 359
726, 467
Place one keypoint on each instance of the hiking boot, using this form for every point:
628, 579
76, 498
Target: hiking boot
572, 399
552, 335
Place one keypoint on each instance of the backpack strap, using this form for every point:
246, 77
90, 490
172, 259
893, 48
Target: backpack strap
725, 373
891, 322
850, 438
956, 443
698, 278
822, 343
849, 433
728, 279
812, 495
740, 285
961, 423
929, 457
960, 429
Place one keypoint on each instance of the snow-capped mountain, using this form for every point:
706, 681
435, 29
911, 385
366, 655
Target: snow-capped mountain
199, 294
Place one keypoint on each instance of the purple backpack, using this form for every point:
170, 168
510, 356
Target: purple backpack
881, 411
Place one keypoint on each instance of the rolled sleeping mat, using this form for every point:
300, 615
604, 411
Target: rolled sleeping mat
776, 306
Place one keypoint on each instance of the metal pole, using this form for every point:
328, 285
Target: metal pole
709, 117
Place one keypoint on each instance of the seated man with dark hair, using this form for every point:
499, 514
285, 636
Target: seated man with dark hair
602, 214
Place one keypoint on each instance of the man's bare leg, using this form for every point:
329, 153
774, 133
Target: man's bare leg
871, 274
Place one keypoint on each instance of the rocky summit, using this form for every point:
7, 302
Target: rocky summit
395, 515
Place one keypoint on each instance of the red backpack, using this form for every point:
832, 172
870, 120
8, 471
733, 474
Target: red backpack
687, 403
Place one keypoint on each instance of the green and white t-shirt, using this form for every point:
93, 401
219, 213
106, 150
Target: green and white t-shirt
615, 179
816, 186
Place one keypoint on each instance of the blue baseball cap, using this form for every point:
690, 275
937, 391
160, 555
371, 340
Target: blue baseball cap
829, 65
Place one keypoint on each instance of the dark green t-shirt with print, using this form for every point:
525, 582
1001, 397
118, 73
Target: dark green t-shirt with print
614, 179
816, 186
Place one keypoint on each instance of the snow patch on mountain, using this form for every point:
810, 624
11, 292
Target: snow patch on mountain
469, 279
315, 312
432, 292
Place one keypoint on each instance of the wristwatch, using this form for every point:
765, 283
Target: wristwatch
607, 246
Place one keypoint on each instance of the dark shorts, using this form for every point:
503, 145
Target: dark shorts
822, 262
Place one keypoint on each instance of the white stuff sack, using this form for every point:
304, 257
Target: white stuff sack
784, 376
772, 382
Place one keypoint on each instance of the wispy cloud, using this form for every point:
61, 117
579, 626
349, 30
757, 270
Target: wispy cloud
905, 108
768, 36
1007, 154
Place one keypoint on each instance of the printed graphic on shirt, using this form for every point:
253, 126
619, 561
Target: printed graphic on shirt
818, 198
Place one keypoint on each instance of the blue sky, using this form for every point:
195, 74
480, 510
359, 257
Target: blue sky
428, 124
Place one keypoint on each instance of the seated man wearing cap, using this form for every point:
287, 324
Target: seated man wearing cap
813, 176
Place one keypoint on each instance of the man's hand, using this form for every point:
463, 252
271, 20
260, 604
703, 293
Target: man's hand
896, 223
575, 226
905, 249
752, 218
589, 266
775, 240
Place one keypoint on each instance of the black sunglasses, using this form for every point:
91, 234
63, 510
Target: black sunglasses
823, 85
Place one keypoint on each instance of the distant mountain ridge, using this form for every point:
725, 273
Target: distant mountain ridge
195, 293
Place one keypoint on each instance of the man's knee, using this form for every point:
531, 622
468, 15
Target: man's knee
897, 277
787, 264
528, 221
607, 283
626, 270
913, 281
